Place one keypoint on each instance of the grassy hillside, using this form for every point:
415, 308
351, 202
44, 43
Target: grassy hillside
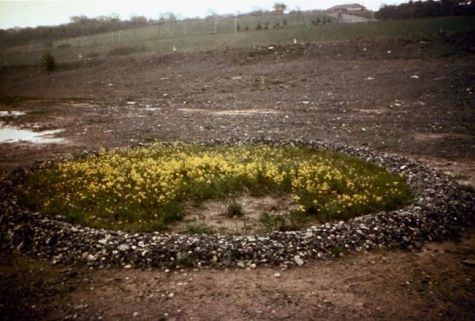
207, 35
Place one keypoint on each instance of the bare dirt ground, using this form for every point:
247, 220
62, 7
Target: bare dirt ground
393, 96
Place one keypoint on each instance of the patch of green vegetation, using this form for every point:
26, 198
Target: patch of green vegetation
144, 189
338, 250
195, 36
196, 228
273, 222
292, 221
234, 209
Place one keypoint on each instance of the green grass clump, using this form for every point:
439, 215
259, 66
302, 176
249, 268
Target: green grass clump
272, 222
234, 209
145, 189
196, 228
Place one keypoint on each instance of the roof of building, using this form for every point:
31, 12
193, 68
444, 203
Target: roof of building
346, 7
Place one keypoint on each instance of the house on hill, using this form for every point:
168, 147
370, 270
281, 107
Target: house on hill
353, 7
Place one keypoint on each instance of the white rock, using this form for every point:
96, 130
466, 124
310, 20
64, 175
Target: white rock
103, 241
123, 247
298, 260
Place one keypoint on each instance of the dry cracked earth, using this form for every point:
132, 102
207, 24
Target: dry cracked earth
391, 95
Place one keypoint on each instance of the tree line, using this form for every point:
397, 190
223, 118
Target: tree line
423, 9
77, 27
83, 26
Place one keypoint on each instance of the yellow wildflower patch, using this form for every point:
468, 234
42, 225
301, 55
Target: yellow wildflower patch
144, 188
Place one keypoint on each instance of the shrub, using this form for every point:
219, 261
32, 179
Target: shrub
234, 208
48, 62
272, 222
196, 228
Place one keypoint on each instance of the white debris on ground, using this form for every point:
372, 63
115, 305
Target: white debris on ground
13, 134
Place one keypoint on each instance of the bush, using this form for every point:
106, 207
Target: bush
273, 222
48, 61
199, 229
234, 208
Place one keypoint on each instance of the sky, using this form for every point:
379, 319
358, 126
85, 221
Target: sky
35, 13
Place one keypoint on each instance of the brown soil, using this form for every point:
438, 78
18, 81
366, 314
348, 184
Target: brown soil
317, 92
436, 283
212, 213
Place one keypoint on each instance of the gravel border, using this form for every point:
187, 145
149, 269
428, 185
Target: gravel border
441, 210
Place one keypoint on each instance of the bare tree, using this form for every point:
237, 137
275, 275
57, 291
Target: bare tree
280, 7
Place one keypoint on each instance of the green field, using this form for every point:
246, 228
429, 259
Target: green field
193, 36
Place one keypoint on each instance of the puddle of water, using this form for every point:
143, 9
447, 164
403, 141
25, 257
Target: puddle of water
5, 113
9, 134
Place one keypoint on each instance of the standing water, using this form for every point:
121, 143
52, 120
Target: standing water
11, 134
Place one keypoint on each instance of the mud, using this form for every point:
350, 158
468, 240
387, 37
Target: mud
334, 92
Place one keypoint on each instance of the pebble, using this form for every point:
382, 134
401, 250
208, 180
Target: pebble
123, 247
298, 260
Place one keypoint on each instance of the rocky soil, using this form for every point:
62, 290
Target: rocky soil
393, 96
